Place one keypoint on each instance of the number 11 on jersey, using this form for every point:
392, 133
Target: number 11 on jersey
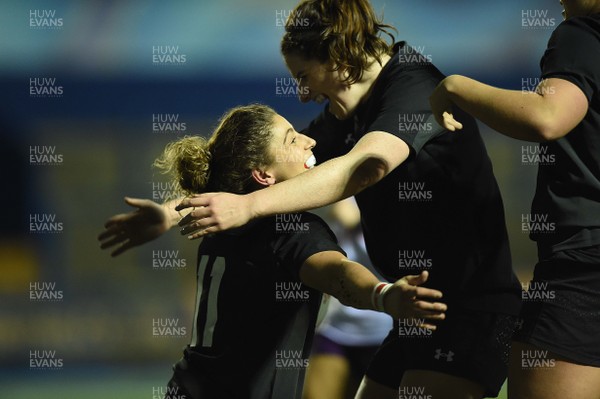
210, 290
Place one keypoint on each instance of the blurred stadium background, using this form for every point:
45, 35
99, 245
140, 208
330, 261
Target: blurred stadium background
109, 90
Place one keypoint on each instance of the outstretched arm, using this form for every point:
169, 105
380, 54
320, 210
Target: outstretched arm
353, 284
371, 159
149, 221
549, 113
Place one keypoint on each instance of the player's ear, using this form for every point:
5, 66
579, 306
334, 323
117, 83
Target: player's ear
343, 74
263, 177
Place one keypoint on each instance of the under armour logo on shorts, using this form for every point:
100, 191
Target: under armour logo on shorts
439, 354
350, 139
519, 324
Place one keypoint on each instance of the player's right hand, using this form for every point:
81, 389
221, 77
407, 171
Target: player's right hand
127, 230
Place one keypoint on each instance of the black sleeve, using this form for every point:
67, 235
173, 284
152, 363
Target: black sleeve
573, 54
404, 109
330, 133
309, 236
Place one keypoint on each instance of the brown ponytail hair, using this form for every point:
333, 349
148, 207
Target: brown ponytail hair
346, 32
225, 161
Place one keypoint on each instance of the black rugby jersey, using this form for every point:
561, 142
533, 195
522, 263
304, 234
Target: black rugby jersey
441, 209
567, 198
254, 320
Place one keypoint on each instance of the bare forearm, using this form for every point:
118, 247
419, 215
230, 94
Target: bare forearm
354, 285
329, 182
375, 155
517, 114
350, 282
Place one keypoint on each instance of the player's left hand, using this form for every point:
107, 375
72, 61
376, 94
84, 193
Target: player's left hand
214, 212
406, 300
441, 106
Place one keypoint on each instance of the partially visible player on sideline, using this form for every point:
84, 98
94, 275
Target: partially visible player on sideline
563, 115
428, 197
254, 320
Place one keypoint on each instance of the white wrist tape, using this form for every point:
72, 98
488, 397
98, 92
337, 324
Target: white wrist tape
378, 295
